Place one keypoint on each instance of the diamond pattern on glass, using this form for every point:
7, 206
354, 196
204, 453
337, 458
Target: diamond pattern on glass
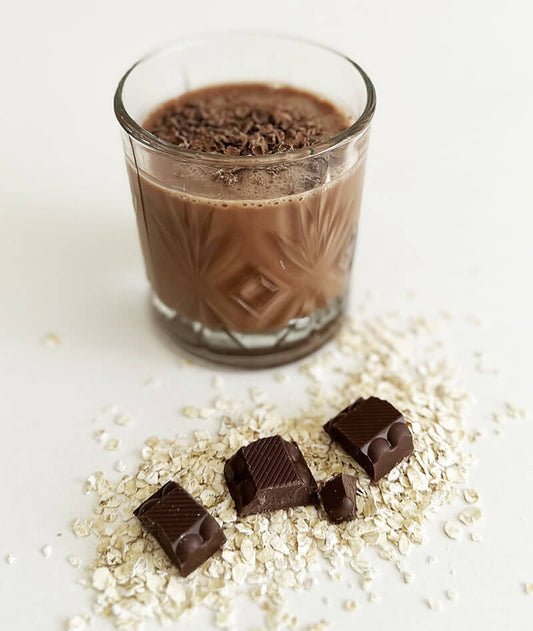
255, 293
201, 258
317, 251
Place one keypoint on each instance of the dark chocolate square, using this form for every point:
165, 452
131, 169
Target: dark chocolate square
374, 433
269, 474
183, 527
338, 497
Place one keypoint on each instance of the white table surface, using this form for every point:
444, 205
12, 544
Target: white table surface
447, 224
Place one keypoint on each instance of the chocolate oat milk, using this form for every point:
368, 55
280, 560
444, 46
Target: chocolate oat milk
248, 249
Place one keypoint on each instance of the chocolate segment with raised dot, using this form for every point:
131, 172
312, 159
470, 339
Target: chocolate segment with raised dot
269, 474
183, 527
338, 497
374, 433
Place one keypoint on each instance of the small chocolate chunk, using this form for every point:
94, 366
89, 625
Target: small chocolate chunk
373, 432
338, 497
269, 474
182, 526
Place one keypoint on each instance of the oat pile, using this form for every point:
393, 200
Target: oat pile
266, 555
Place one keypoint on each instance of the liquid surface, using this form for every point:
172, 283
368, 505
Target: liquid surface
246, 119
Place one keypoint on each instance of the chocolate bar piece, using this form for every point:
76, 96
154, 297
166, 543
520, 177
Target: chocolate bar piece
182, 526
269, 474
375, 433
338, 497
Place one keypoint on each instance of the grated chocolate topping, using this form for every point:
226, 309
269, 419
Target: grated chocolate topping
246, 119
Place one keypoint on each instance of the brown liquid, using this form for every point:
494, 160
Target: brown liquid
242, 253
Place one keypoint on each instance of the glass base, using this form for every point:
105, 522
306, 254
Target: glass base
297, 339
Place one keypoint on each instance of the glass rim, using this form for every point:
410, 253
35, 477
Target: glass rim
139, 133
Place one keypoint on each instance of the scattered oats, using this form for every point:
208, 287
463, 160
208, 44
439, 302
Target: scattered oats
76, 624
470, 515
366, 580
176, 591
326, 600
11, 558
46, 551
239, 573
101, 436
323, 625
373, 597
82, 527
74, 560
51, 339
471, 496
475, 536
408, 577
474, 436
279, 545
102, 579
433, 604
267, 555
404, 544
350, 605
452, 529
528, 588
122, 419
224, 619
454, 474
120, 466
217, 382
281, 377
113, 444
110, 409
417, 479
511, 410
206, 413
190, 412
247, 550
258, 395
432, 560
451, 594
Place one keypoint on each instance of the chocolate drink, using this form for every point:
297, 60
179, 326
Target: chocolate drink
236, 250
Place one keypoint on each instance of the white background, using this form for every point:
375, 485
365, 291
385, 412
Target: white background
447, 224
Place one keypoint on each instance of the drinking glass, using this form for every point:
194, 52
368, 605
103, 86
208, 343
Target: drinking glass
248, 257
